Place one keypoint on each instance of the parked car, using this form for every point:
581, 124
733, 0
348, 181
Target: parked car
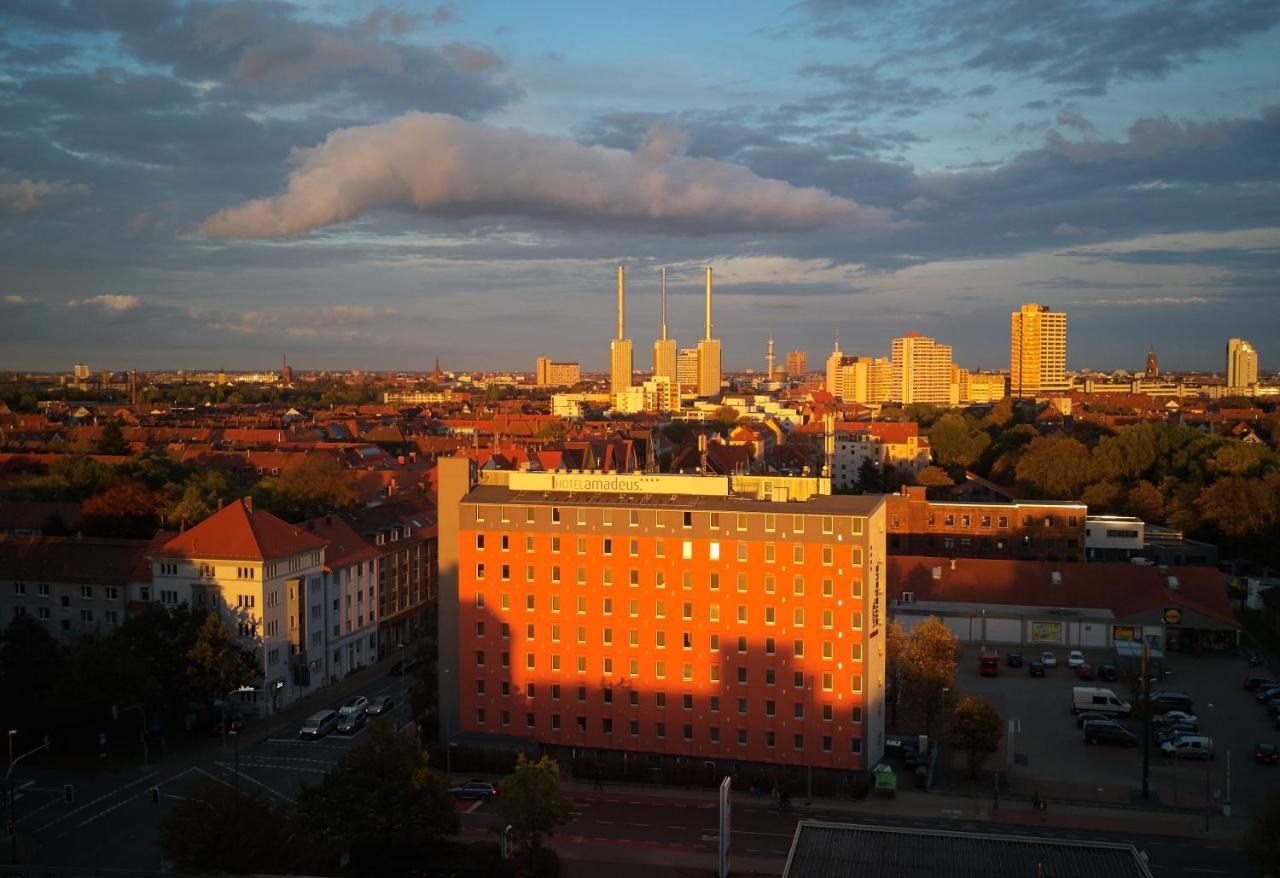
319, 724
1013, 659
1089, 716
1109, 673
1084, 671
1265, 692
358, 704
1100, 700
1252, 684
1036, 668
1075, 658
404, 666
1272, 701
381, 704
1267, 754
1165, 700
1177, 730
475, 789
1171, 717
1188, 747
1049, 659
352, 722
1109, 732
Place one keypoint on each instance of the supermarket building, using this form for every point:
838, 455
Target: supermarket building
733, 620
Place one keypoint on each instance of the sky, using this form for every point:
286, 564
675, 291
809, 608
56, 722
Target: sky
360, 185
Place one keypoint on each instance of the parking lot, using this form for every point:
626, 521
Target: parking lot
1060, 764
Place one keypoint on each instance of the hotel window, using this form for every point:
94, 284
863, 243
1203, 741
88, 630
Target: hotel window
714, 612
741, 521
797, 586
634, 518
504, 601
770, 707
713, 551
633, 667
932, 519
742, 583
528, 603
894, 521
686, 672
797, 649
770, 740
606, 576
688, 519
480, 658
607, 637
479, 541
633, 698
555, 573
528, 573
608, 546
555, 633
770, 677
855, 588
742, 737
555, 514
634, 548
506, 542
949, 520
714, 519
582, 606
770, 646
828, 524
855, 652
479, 571
659, 549
528, 515
713, 643
770, 522
660, 639
857, 620
607, 607
713, 582
770, 553
714, 673
857, 527
529, 661
659, 518
742, 707
770, 585
770, 617
797, 554
742, 676
633, 726
827, 588
797, 741
742, 614
828, 556
582, 545
660, 730
686, 610
856, 682
555, 545
686, 550
1002, 521
505, 661
606, 517
479, 629
855, 715
479, 600
857, 556
797, 680
660, 671
686, 580
582, 517
797, 617
582, 664
742, 644
608, 666
555, 661
555, 603
828, 619
506, 572
633, 608
659, 610
797, 523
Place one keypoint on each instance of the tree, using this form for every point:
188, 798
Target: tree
934, 477
869, 478
530, 802
1054, 467
975, 730
724, 418
216, 664
381, 800
1262, 841
1145, 501
216, 828
1000, 415
31, 662
111, 440
128, 510
317, 484
929, 665
956, 442
1240, 509
895, 651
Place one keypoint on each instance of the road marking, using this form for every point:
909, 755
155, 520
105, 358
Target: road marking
253, 779
645, 825
753, 850
297, 743
605, 822
669, 826
256, 764
1206, 871
103, 797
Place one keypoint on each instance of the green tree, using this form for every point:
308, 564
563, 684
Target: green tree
216, 828
956, 442
1054, 467
111, 440
1145, 501
724, 418
316, 485
530, 802
216, 664
1262, 841
975, 731
934, 477
381, 800
869, 478
31, 663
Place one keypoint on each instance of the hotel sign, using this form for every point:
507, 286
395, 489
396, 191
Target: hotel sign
620, 483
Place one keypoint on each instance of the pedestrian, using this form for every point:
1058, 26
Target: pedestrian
599, 785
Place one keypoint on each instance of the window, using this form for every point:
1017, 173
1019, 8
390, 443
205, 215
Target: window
634, 518
661, 730
770, 708
828, 524
660, 639
797, 554
742, 676
479, 571
770, 740
770, 553
797, 617
742, 737
608, 546
714, 551
770, 585
855, 683
742, 644
769, 646
742, 707
633, 727
797, 649
828, 556
827, 619
827, 588
688, 519
742, 614
741, 523
769, 616
555, 514
855, 715
686, 550
797, 586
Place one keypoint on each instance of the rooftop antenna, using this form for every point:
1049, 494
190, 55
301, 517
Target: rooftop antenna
664, 303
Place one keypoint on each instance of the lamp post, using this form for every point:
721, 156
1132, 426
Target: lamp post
13, 799
1208, 786
223, 729
404, 672
142, 734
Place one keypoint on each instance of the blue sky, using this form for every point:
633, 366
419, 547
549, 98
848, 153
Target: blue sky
367, 185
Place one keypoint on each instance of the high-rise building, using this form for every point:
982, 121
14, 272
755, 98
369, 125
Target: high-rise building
1153, 367
664, 349
1038, 352
921, 370
709, 354
82, 372
552, 374
620, 362
687, 369
797, 363
864, 379
1242, 364
727, 620
834, 362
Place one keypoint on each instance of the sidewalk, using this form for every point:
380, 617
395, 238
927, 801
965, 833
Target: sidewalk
922, 805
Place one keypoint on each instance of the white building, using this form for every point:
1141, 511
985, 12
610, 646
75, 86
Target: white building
350, 607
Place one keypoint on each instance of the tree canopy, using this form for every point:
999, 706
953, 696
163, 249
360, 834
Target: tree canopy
530, 802
975, 731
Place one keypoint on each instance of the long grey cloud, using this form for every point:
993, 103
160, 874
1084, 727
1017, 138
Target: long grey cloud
438, 163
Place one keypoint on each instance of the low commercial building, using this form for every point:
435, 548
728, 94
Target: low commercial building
1073, 605
1113, 537
1047, 530
735, 621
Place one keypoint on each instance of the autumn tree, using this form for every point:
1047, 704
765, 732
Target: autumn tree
1145, 501
128, 509
1054, 467
895, 651
111, 439
317, 484
380, 801
975, 731
531, 804
929, 665
934, 477
956, 441
216, 664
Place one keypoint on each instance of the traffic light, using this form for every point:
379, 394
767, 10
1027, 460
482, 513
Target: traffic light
155, 795
68, 793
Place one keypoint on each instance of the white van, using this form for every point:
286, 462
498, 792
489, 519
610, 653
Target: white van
1101, 700
319, 724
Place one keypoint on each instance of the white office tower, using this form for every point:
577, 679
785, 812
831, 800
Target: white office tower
620, 366
708, 354
664, 349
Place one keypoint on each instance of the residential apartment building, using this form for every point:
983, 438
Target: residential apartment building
1242, 364
1037, 352
657, 394
921, 371
349, 611
886, 443
687, 369
79, 588
984, 387
736, 620
553, 374
1044, 530
404, 537
266, 578
797, 364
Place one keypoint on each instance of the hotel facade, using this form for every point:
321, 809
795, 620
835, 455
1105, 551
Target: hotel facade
733, 620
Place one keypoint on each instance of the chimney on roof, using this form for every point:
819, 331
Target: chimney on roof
953, 563
219, 504
248, 504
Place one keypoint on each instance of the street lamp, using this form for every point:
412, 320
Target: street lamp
1208, 784
116, 710
223, 729
403, 673
13, 799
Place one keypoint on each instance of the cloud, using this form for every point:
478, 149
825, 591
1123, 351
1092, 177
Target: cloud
472, 58
297, 322
20, 197
1066, 229
437, 163
108, 302
12, 299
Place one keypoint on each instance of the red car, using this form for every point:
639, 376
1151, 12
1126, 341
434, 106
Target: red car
1267, 754
1085, 671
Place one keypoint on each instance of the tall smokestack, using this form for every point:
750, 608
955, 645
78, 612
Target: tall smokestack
621, 330
708, 335
664, 303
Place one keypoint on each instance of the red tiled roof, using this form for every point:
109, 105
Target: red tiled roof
240, 532
70, 559
1124, 589
346, 547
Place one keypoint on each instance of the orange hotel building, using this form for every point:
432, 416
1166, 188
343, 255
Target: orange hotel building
735, 620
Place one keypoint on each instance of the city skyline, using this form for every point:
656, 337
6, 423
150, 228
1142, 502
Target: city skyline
166, 187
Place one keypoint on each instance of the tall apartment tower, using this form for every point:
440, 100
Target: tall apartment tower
620, 363
709, 354
664, 349
687, 369
797, 363
1037, 352
1242, 364
921, 370
834, 362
